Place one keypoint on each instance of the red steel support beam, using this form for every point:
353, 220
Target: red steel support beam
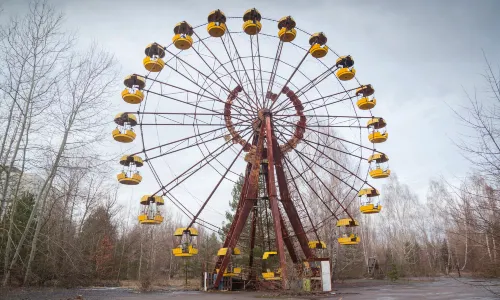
286, 236
273, 199
246, 207
288, 204
252, 241
236, 214
288, 241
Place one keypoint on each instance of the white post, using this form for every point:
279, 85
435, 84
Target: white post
325, 276
205, 274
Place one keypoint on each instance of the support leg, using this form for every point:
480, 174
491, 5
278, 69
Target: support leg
273, 199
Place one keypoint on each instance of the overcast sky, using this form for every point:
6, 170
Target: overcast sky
419, 55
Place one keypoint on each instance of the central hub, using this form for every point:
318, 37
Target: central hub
264, 112
258, 121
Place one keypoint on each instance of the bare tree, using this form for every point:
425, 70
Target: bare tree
482, 116
80, 105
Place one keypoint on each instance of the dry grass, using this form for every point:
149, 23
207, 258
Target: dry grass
163, 284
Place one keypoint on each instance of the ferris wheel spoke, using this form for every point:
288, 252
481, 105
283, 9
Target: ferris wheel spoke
185, 139
333, 96
334, 137
288, 80
307, 182
303, 203
216, 187
194, 115
324, 144
325, 98
198, 94
227, 71
274, 70
181, 101
208, 158
218, 78
328, 189
311, 84
302, 156
317, 124
260, 71
243, 65
327, 104
203, 75
174, 150
253, 69
364, 181
178, 203
199, 221
236, 72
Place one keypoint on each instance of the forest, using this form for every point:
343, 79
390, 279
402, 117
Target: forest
61, 222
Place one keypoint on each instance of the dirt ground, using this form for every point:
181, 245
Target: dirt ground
438, 288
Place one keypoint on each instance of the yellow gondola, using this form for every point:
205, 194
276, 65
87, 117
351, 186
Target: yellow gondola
186, 246
376, 136
184, 250
352, 239
346, 70
370, 208
150, 211
231, 270
364, 101
153, 64
251, 21
144, 219
147, 199
130, 175
223, 251
132, 93
124, 132
287, 32
126, 136
128, 160
216, 23
182, 39
317, 245
318, 45
269, 274
153, 61
124, 178
155, 50
368, 205
381, 168
347, 223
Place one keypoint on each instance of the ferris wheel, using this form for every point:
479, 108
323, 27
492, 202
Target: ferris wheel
266, 101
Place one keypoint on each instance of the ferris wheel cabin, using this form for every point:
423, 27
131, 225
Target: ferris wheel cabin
150, 210
251, 21
364, 101
379, 168
186, 246
377, 135
182, 36
132, 94
124, 132
231, 269
153, 62
369, 201
287, 31
130, 175
318, 45
270, 258
346, 70
216, 23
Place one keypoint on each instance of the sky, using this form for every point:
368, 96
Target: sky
420, 56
